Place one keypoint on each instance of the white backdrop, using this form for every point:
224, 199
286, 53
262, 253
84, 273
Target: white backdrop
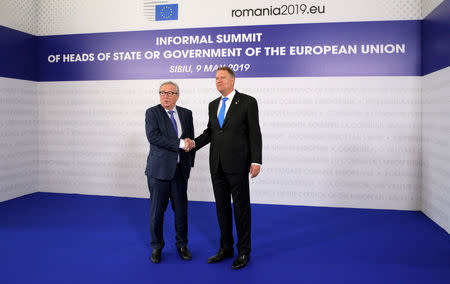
18, 138
342, 141
326, 141
436, 147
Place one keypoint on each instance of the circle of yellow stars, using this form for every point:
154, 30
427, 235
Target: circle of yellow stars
163, 12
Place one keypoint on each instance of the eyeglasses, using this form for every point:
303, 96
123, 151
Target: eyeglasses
170, 94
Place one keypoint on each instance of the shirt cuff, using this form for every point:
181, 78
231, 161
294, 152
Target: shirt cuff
181, 144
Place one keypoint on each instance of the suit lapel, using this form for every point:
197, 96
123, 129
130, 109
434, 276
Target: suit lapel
182, 118
215, 109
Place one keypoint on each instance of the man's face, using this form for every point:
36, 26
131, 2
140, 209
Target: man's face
224, 82
168, 96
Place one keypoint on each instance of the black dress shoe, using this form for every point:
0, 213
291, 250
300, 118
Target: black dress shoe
185, 253
221, 255
156, 256
241, 261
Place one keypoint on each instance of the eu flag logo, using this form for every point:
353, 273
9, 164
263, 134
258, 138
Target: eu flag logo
166, 12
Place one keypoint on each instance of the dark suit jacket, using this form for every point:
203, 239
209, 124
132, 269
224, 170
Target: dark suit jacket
164, 143
238, 143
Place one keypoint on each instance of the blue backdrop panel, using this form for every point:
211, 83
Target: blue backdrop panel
436, 39
17, 54
95, 66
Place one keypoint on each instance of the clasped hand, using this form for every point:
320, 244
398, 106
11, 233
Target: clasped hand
188, 144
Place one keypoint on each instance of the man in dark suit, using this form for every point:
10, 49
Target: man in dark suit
168, 128
236, 145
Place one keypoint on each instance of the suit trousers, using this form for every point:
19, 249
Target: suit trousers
235, 185
161, 191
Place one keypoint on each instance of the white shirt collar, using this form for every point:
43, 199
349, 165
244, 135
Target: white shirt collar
174, 109
230, 96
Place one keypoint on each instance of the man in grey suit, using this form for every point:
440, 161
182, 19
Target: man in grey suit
236, 150
169, 128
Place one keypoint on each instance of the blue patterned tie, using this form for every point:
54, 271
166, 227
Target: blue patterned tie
222, 112
173, 121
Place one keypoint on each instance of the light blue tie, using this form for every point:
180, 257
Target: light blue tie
222, 112
173, 121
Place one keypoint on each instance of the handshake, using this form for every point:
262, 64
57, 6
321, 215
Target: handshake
188, 144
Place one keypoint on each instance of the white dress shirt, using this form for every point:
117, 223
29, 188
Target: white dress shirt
230, 97
179, 129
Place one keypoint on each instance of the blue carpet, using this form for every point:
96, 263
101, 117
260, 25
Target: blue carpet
65, 238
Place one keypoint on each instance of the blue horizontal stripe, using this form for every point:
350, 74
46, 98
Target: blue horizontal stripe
18, 52
436, 39
84, 47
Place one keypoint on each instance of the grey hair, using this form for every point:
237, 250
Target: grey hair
170, 83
